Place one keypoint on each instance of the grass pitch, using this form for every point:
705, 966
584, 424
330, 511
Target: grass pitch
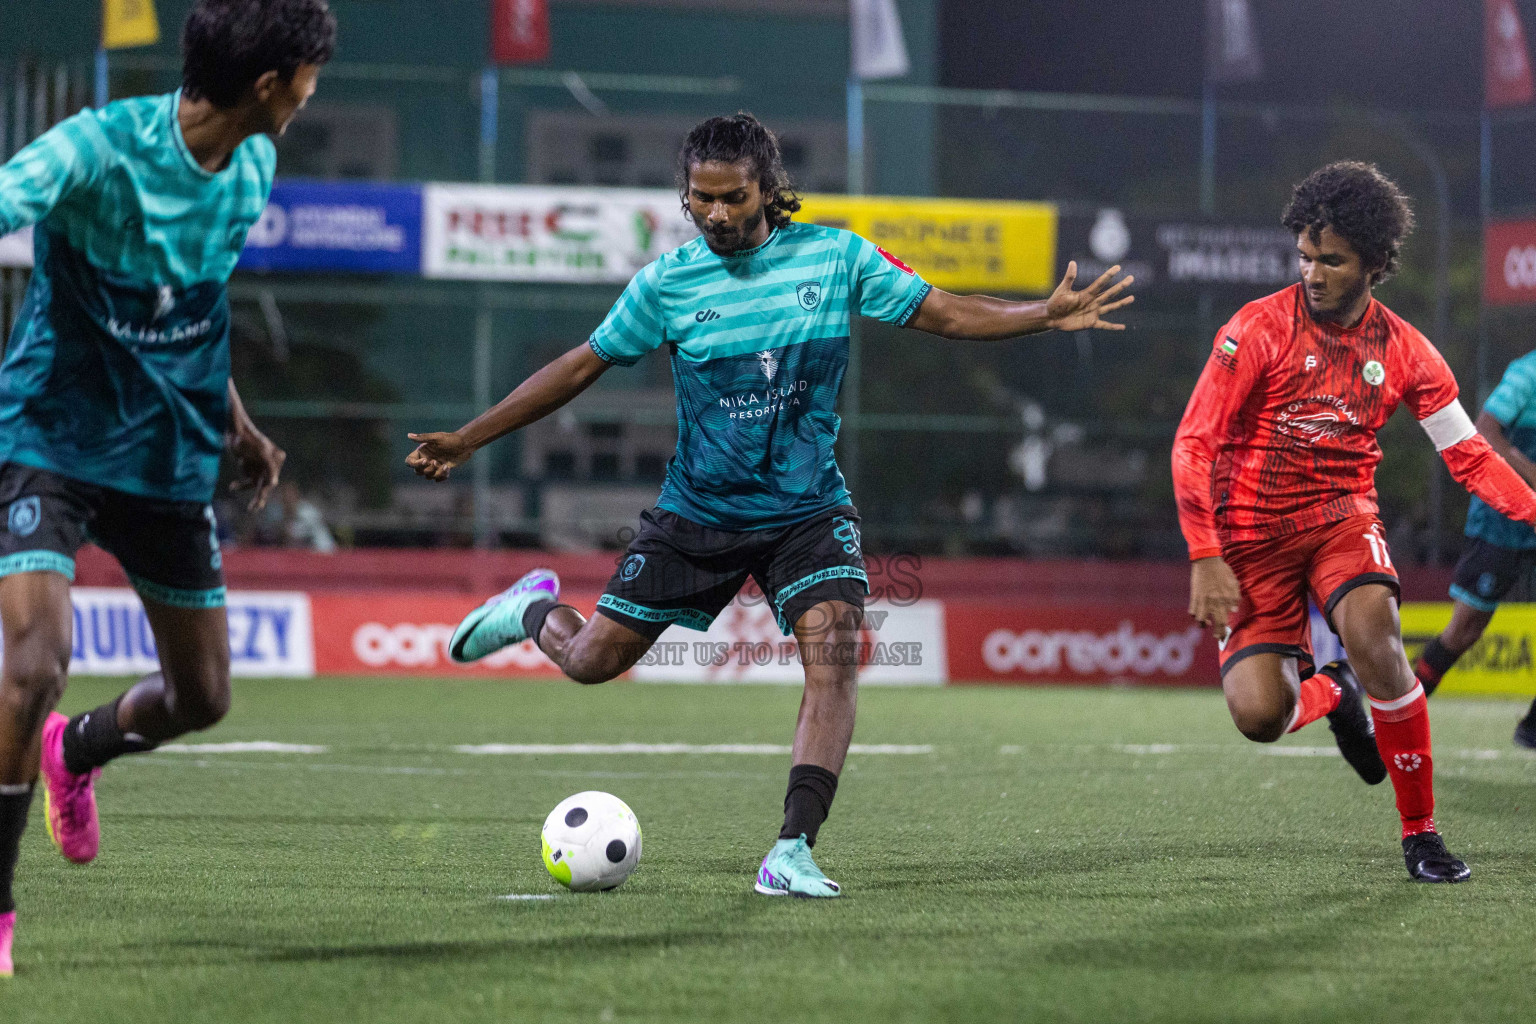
1063, 854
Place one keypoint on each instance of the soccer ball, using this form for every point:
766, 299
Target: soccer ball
591, 842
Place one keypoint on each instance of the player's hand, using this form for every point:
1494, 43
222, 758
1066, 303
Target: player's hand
1213, 595
1069, 310
258, 464
437, 453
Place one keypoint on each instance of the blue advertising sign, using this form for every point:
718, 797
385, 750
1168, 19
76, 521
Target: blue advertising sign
354, 227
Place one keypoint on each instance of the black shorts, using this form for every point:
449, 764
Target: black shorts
170, 549
1487, 574
679, 571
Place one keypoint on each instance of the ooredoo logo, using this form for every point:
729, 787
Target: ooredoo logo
417, 645
1086, 653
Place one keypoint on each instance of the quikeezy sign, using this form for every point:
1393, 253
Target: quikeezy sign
555, 234
270, 634
338, 226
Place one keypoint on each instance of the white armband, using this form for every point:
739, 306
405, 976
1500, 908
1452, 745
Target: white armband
1450, 426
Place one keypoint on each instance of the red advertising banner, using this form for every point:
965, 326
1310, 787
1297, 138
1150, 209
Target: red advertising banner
519, 31
394, 633
994, 643
1509, 262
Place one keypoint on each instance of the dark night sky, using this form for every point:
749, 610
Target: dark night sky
1391, 53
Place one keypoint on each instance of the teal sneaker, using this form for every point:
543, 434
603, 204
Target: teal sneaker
789, 871
499, 622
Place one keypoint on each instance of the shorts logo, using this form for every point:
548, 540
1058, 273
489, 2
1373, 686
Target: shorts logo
1485, 584
25, 514
809, 294
631, 567
844, 531
1374, 373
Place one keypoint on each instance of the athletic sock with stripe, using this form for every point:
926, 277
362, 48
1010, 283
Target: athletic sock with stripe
14, 802
1402, 736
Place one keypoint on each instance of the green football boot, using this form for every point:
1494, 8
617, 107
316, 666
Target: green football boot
789, 871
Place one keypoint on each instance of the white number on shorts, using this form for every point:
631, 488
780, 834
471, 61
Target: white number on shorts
1378, 544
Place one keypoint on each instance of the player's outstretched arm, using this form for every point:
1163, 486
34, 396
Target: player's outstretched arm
984, 318
44, 172
538, 396
258, 462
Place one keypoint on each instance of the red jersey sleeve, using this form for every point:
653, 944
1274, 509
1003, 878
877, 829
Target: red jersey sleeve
1238, 359
1467, 454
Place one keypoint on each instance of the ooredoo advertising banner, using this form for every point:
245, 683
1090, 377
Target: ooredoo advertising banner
1509, 262
404, 634
991, 643
270, 634
550, 234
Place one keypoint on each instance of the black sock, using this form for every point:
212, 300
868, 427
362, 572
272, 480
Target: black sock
811, 789
14, 801
534, 616
1433, 663
93, 739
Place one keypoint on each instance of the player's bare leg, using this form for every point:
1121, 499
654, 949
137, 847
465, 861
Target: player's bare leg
1367, 621
591, 650
37, 621
1268, 698
191, 691
828, 635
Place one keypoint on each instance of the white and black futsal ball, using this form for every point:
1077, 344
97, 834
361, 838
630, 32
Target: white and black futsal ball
591, 842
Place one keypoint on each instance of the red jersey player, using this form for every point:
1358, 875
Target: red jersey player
1274, 468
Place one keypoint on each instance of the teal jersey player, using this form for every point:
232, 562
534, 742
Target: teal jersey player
756, 313
1513, 405
759, 346
116, 400
117, 372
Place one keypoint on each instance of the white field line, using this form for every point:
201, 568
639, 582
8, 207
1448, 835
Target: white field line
674, 748
527, 896
249, 747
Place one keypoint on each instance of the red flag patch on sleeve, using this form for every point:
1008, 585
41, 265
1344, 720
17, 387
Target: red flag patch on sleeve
893, 261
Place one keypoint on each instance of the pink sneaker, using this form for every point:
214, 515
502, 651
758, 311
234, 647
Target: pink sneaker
7, 929
69, 799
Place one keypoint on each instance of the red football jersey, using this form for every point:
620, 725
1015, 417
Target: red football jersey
1280, 433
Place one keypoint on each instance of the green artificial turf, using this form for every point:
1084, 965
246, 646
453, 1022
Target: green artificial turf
1048, 860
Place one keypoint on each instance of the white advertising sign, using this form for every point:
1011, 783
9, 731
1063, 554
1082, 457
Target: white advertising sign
269, 634
547, 233
899, 646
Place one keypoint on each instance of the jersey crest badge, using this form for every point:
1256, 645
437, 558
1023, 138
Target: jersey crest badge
24, 516
1374, 373
893, 261
809, 294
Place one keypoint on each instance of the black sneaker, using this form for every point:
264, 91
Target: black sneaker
1525, 732
1351, 724
1429, 861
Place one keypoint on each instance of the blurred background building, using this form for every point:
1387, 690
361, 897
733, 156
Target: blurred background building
1165, 137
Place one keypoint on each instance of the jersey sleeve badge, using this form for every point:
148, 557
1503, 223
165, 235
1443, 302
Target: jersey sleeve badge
893, 261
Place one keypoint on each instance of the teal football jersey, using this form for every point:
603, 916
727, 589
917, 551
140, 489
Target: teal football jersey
117, 371
759, 346
1513, 404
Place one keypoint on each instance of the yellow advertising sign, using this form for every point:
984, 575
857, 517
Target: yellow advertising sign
1500, 663
129, 23
959, 245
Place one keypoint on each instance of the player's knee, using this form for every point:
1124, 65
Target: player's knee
1261, 721
204, 706
34, 678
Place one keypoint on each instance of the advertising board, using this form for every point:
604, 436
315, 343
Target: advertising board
356, 227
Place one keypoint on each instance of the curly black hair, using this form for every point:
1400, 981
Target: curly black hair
226, 45
733, 139
1362, 205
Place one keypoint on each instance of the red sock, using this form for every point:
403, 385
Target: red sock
1319, 696
1402, 736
